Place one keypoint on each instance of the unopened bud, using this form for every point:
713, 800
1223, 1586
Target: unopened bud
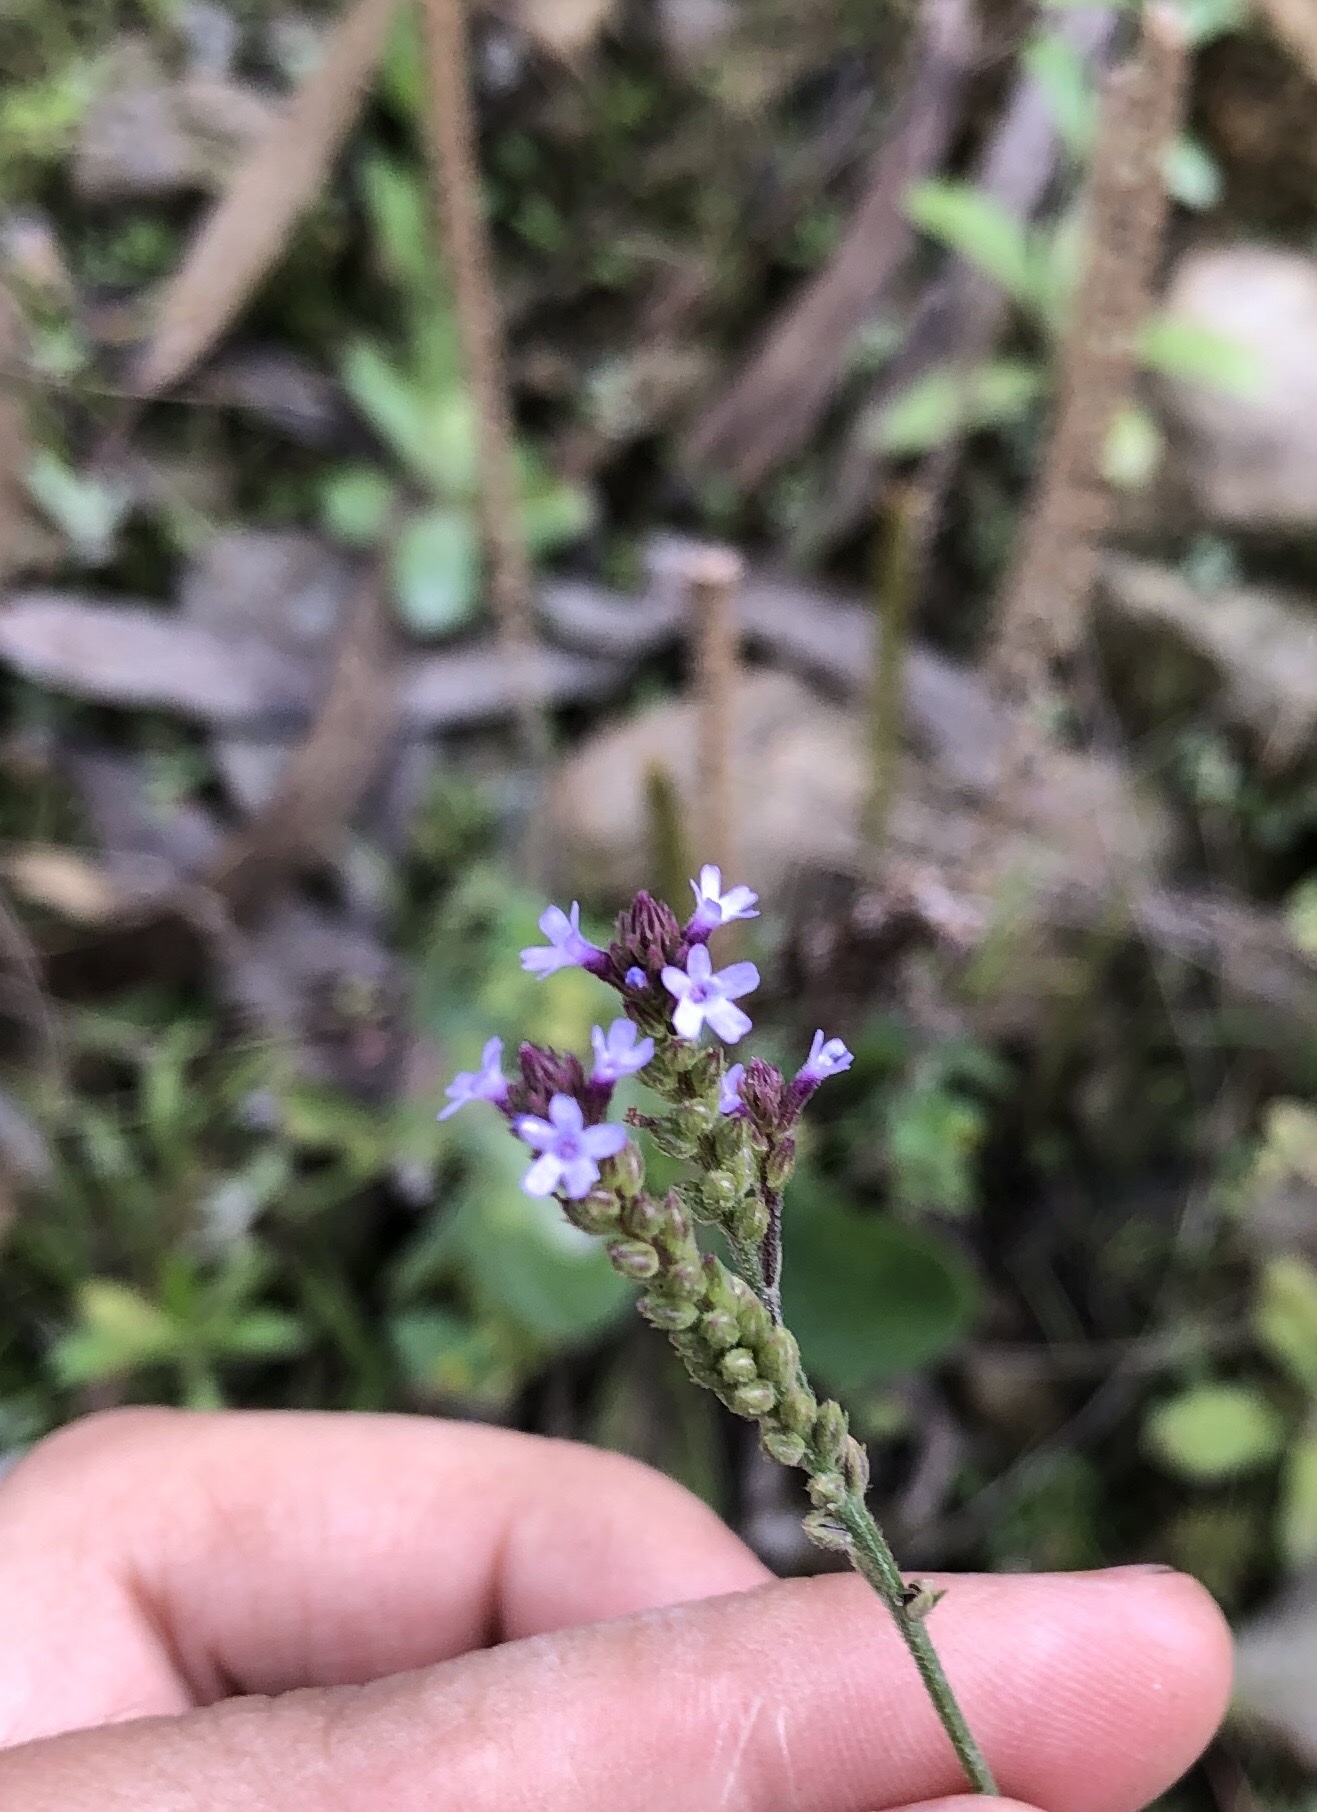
633, 1258
855, 1464
828, 1491
628, 1172
720, 1329
830, 1432
797, 1409
779, 1357
596, 1213
754, 1400
720, 1192
786, 1449
738, 1366
672, 1317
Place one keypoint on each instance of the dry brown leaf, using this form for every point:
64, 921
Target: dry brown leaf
1295, 24
327, 777
248, 228
126, 655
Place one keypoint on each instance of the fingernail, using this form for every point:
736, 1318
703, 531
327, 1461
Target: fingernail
1144, 1566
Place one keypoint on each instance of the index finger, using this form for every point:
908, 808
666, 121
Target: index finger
153, 1560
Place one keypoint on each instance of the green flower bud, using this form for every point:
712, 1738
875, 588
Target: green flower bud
720, 1192
797, 1409
628, 1170
755, 1322
597, 1213
673, 1138
779, 1357
824, 1533
786, 1449
829, 1434
672, 1317
855, 1464
720, 1329
685, 1278
827, 1491
750, 1221
644, 1218
633, 1258
738, 1366
753, 1400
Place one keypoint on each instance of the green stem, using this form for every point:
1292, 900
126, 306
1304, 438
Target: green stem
875, 1562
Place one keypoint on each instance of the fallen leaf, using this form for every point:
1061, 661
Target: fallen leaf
242, 237
134, 655
477, 685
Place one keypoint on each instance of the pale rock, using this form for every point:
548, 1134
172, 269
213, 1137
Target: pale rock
1250, 452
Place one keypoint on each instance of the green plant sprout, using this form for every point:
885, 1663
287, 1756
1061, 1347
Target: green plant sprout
734, 1126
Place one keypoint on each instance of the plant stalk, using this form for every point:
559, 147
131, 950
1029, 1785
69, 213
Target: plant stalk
874, 1561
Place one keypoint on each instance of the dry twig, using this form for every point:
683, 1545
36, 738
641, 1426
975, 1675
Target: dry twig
713, 577
1045, 605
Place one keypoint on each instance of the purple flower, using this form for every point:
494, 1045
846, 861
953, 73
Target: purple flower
619, 1053
713, 907
488, 1083
567, 948
569, 1150
729, 1093
636, 977
703, 996
826, 1058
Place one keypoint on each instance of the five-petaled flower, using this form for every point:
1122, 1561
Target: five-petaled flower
618, 1052
713, 907
570, 1151
567, 948
827, 1057
729, 1090
705, 997
488, 1083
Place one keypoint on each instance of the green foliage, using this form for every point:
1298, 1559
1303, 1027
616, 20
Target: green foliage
1285, 1317
980, 229
868, 1297
951, 401
1213, 1432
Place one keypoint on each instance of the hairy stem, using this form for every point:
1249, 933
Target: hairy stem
873, 1559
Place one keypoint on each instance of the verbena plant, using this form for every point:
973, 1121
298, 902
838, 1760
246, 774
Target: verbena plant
734, 1124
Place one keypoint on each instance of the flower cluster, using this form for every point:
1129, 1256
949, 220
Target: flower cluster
733, 1126
670, 993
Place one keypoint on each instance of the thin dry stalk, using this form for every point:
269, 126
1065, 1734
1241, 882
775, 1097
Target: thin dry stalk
713, 579
1045, 604
898, 576
453, 143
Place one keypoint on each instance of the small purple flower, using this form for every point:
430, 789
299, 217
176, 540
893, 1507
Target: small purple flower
636, 977
567, 948
705, 997
713, 907
570, 1151
488, 1083
729, 1094
826, 1058
619, 1053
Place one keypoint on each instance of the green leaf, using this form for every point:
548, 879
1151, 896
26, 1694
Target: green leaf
554, 514
354, 505
119, 1331
431, 429
521, 1259
400, 215
88, 511
1063, 77
1214, 1432
1285, 1317
1192, 174
1298, 1501
1134, 448
949, 400
263, 1334
447, 1355
967, 221
1301, 916
1205, 20
1199, 355
867, 1296
436, 572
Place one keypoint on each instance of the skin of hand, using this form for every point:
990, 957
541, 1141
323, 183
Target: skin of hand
260, 1612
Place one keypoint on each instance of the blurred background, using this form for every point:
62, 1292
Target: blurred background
377, 379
